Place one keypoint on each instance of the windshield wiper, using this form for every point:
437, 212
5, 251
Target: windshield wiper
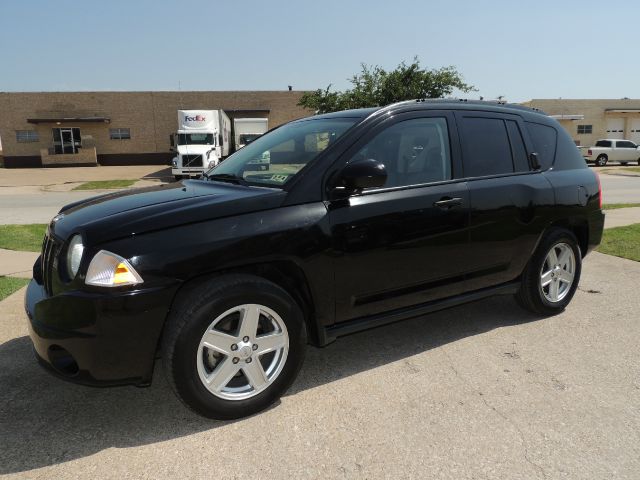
225, 177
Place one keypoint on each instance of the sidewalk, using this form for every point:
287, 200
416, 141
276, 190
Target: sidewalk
16, 264
620, 217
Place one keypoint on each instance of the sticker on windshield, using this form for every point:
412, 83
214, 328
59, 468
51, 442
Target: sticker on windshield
279, 178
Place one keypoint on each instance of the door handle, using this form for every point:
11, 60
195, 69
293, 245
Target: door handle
447, 202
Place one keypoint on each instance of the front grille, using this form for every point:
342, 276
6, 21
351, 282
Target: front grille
49, 262
192, 160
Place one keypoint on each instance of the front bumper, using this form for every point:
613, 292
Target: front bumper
97, 339
192, 172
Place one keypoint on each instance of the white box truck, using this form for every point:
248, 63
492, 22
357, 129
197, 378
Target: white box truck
246, 130
202, 141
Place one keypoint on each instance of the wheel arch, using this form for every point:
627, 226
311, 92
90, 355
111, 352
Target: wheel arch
285, 273
578, 226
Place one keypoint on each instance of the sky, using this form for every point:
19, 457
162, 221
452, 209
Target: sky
519, 50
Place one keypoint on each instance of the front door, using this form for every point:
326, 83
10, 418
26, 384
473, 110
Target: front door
406, 243
66, 140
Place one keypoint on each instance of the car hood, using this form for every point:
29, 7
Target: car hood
132, 212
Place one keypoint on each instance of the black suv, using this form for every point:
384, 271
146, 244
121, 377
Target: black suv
323, 227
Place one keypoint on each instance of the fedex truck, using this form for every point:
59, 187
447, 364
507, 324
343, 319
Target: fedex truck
246, 130
202, 141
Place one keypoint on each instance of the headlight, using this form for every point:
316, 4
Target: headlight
110, 270
174, 162
74, 255
212, 163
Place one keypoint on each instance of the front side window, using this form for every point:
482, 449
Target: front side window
486, 147
585, 129
413, 151
276, 157
626, 144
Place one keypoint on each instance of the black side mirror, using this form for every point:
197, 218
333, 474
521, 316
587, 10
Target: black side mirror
534, 161
358, 175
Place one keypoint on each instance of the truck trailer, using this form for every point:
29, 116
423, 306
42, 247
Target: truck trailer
202, 141
246, 130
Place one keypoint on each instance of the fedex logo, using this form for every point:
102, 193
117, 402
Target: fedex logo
197, 118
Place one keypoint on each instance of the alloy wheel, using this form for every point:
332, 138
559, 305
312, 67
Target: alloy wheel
557, 272
242, 352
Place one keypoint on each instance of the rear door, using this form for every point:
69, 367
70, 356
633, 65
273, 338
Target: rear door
507, 198
406, 243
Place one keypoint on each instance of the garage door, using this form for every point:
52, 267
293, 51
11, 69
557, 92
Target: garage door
615, 127
634, 134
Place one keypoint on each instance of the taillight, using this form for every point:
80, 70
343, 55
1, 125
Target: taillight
589, 152
599, 191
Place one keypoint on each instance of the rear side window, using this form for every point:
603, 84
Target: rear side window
544, 140
520, 160
603, 143
486, 147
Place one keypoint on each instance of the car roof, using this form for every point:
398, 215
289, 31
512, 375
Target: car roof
440, 104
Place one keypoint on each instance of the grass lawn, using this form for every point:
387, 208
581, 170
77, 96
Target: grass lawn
622, 242
613, 206
100, 184
27, 238
8, 285
631, 169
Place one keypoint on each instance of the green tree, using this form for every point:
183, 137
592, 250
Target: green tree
374, 86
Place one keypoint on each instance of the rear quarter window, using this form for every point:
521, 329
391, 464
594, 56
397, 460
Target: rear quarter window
544, 140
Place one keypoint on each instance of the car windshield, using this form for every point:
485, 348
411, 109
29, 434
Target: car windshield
276, 157
195, 139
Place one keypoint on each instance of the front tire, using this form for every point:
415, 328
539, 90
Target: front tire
624, 164
177, 177
233, 346
601, 161
551, 277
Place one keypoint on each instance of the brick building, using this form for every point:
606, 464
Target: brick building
118, 128
589, 120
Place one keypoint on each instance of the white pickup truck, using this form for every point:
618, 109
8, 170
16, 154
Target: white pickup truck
605, 150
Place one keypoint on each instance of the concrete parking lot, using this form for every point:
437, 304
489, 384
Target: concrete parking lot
483, 391
35, 195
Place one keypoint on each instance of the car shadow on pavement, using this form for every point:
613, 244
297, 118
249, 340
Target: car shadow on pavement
45, 421
163, 174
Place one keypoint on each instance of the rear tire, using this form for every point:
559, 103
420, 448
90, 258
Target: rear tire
601, 161
551, 277
233, 345
624, 164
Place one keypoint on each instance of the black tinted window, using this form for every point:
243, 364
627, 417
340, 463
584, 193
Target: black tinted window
603, 143
486, 147
626, 145
544, 140
413, 151
518, 150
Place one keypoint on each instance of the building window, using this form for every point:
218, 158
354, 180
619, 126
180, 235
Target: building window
27, 136
585, 129
119, 134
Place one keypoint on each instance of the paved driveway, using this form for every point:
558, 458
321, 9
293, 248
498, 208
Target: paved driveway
483, 391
